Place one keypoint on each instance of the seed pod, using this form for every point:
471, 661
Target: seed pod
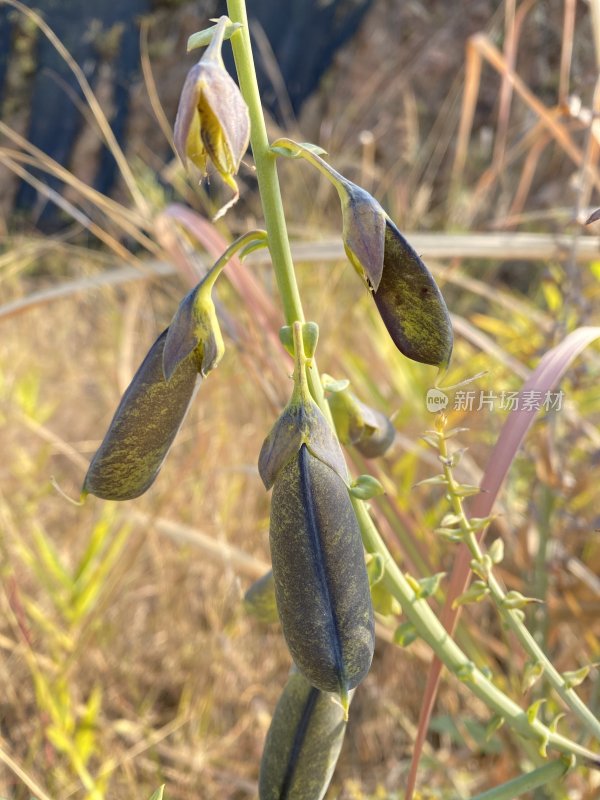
408, 299
155, 403
259, 600
370, 431
303, 743
376, 441
321, 583
411, 305
143, 428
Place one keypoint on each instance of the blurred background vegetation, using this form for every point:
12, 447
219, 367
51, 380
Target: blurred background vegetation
127, 658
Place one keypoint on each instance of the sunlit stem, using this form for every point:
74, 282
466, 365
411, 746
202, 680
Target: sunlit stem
251, 240
512, 617
301, 362
216, 43
299, 151
268, 184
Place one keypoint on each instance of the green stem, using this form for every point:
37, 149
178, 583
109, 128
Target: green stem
526, 783
299, 151
418, 611
431, 630
512, 617
268, 185
266, 170
540, 577
252, 239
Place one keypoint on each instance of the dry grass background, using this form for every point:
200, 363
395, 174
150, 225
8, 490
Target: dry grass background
127, 658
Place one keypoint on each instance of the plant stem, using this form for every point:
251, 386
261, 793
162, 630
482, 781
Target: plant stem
266, 170
418, 611
525, 783
431, 630
268, 185
511, 617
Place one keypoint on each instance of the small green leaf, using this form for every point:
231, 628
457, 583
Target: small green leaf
493, 725
450, 519
466, 490
474, 594
384, 602
515, 600
449, 434
553, 726
435, 480
375, 568
450, 534
310, 336
496, 551
331, 385
466, 672
479, 523
575, 677
481, 567
159, 793
365, 487
533, 710
405, 634
429, 586
413, 583
204, 37
532, 673
289, 149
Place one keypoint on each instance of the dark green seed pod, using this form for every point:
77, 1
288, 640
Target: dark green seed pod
370, 431
259, 600
411, 305
321, 583
408, 299
303, 743
143, 428
376, 441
